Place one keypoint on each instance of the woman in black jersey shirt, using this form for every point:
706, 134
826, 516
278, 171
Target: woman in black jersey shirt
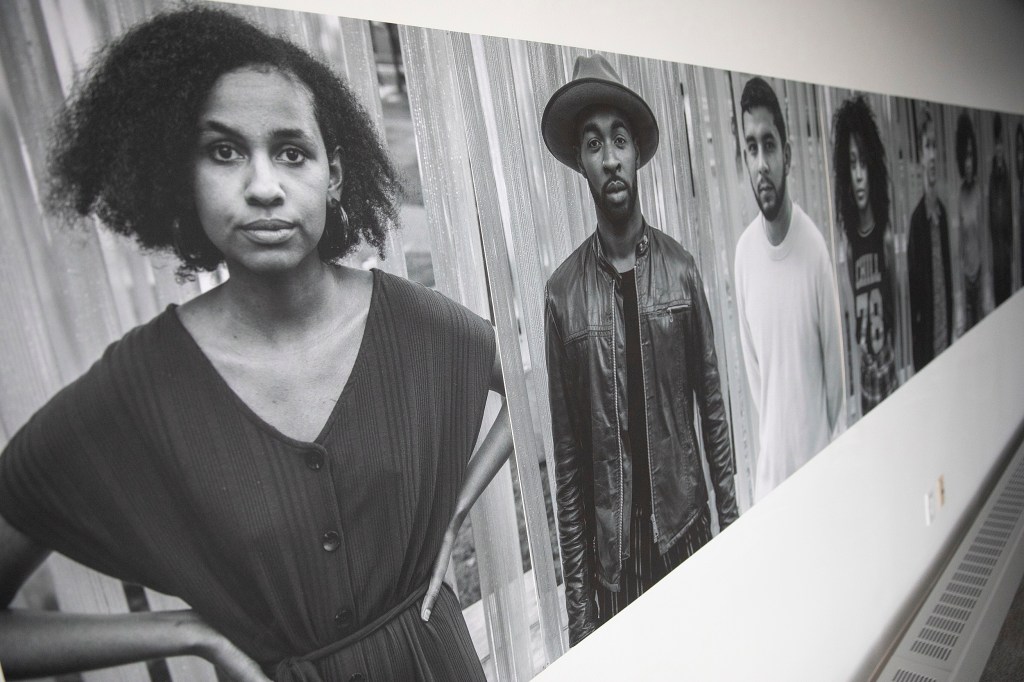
862, 204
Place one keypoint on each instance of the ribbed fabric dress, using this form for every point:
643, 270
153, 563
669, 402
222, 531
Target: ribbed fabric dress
151, 469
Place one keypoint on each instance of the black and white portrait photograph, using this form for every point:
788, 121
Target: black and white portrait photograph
337, 348
764, 168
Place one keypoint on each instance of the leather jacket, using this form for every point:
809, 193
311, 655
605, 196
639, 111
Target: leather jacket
585, 340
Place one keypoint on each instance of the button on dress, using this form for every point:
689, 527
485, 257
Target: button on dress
151, 469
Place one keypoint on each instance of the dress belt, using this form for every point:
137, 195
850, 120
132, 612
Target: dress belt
301, 668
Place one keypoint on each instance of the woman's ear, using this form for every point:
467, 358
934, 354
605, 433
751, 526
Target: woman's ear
337, 174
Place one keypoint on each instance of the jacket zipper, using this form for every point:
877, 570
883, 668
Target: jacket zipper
618, 425
647, 427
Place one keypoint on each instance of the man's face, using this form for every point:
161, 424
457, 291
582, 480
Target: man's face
767, 158
929, 163
607, 158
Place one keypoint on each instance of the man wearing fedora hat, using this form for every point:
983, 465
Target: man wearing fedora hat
630, 352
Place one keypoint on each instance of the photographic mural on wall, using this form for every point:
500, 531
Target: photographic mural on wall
696, 280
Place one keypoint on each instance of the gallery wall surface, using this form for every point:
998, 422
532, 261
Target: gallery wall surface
942, 50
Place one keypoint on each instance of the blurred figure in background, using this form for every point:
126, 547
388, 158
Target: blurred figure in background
973, 237
931, 284
1000, 216
1020, 193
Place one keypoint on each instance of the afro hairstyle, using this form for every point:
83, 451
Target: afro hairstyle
123, 144
965, 134
854, 118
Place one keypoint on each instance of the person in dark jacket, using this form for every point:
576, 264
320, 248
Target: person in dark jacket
630, 352
1020, 192
1000, 215
931, 281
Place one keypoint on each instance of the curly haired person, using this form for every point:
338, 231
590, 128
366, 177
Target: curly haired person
975, 257
288, 452
862, 204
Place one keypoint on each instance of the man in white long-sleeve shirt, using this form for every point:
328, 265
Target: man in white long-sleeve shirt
788, 306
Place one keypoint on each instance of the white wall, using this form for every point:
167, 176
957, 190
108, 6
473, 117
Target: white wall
967, 52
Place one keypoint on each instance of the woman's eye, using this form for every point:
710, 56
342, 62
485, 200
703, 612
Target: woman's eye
293, 155
224, 152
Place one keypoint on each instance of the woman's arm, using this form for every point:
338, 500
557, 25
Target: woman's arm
483, 465
42, 643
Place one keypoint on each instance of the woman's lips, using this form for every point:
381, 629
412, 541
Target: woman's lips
269, 231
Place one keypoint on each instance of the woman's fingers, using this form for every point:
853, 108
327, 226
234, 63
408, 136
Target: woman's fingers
233, 661
437, 576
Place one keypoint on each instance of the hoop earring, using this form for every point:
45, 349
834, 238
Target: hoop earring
335, 205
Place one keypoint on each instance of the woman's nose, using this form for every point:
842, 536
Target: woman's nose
264, 187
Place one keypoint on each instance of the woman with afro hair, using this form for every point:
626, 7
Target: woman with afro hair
862, 204
288, 452
975, 256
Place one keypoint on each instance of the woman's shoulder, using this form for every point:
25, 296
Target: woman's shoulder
418, 315
98, 404
123, 373
414, 304
143, 346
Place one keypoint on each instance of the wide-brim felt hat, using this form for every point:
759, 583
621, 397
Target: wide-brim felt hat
594, 81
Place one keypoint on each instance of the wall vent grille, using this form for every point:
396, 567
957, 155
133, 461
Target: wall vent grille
938, 645
907, 676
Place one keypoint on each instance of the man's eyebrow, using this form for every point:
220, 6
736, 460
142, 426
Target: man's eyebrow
768, 134
591, 127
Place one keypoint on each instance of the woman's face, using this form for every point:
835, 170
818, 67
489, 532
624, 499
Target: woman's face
261, 173
859, 174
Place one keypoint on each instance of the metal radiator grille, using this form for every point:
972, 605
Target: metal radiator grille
952, 634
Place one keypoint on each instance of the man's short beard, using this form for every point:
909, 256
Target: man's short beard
780, 199
614, 216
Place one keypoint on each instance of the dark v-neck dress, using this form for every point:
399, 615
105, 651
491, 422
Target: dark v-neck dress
151, 469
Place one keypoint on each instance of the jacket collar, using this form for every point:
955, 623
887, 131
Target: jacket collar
643, 247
